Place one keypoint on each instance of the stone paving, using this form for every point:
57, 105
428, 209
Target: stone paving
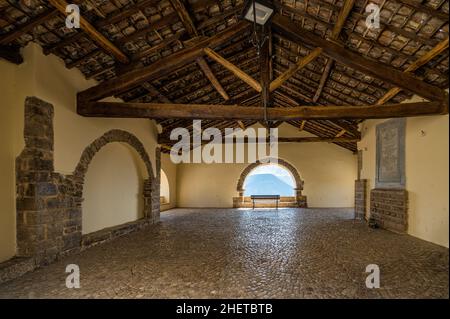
232, 253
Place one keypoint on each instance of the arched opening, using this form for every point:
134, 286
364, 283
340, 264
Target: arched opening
149, 186
281, 179
165, 191
113, 188
269, 179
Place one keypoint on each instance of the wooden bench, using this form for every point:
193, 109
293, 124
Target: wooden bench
265, 197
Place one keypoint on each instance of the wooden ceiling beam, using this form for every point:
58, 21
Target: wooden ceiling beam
342, 18
236, 112
241, 125
155, 92
354, 60
338, 26
302, 125
167, 141
233, 69
437, 50
323, 79
184, 17
265, 63
212, 78
95, 35
161, 67
301, 63
28, 26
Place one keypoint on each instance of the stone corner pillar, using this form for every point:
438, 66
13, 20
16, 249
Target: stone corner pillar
154, 202
360, 198
301, 199
39, 230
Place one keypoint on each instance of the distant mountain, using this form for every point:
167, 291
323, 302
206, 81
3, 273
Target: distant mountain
267, 184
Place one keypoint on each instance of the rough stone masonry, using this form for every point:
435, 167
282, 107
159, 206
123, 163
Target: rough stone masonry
49, 204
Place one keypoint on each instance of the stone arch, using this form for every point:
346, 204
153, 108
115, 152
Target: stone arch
112, 136
300, 199
151, 184
49, 204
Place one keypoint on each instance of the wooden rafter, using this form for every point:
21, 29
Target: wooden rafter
241, 125
323, 79
294, 69
339, 24
184, 17
30, 25
160, 67
265, 63
342, 18
233, 69
92, 32
212, 78
155, 92
302, 125
404, 80
441, 47
166, 141
236, 112
337, 29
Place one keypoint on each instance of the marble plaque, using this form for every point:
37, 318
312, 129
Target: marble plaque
390, 164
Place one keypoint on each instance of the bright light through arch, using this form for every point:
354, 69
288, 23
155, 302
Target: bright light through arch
269, 179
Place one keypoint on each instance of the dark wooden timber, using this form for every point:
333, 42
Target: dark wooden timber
289, 30
313, 139
161, 67
236, 112
30, 25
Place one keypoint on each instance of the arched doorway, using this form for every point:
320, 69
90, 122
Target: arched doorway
282, 167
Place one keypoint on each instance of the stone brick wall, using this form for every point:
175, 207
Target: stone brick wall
360, 198
389, 208
38, 201
49, 204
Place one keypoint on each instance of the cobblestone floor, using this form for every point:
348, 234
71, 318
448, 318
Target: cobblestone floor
216, 253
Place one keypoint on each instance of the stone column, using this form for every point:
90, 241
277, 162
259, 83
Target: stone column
156, 188
39, 227
360, 198
301, 200
147, 193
